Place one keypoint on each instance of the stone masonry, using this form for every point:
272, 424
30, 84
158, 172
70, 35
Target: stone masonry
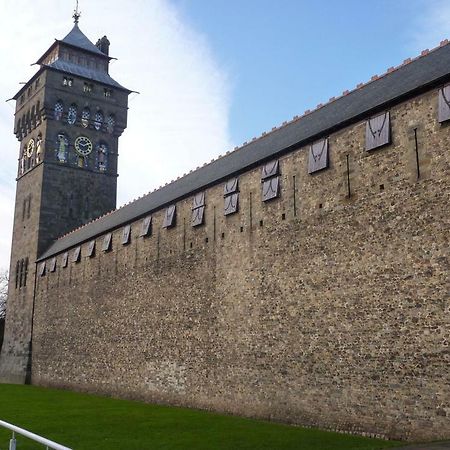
316, 308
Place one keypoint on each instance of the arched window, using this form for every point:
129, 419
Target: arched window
70, 204
33, 114
85, 115
27, 159
38, 110
28, 120
110, 122
72, 114
98, 120
39, 148
62, 148
102, 156
59, 109
23, 160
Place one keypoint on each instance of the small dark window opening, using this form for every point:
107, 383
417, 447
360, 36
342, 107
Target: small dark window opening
26, 272
206, 240
21, 273
261, 223
29, 207
17, 273
223, 235
190, 245
320, 205
283, 216
381, 187
242, 229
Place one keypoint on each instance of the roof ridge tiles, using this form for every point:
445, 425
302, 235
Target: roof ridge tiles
284, 124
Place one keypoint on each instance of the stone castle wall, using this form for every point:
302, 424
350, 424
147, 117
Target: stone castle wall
315, 308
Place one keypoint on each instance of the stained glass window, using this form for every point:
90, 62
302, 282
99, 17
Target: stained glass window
102, 157
85, 114
62, 147
59, 109
98, 120
110, 122
39, 148
72, 114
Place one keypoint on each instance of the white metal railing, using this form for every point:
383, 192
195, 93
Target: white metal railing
30, 435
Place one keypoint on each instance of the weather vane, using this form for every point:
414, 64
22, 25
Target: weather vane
76, 14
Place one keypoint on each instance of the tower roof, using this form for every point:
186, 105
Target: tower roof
76, 38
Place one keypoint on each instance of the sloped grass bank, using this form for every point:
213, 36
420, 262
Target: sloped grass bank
83, 422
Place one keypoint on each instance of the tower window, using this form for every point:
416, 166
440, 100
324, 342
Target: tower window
21, 272
98, 120
38, 109
62, 146
107, 92
88, 87
85, 115
72, 114
25, 275
110, 123
17, 273
59, 109
67, 81
39, 148
102, 157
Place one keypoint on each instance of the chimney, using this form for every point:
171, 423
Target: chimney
103, 45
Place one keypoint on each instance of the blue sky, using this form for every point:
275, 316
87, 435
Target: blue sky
283, 57
211, 73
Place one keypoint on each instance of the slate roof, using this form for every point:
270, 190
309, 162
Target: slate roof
85, 72
412, 77
76, 38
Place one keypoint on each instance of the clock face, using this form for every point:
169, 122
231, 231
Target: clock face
83, 146
30, 148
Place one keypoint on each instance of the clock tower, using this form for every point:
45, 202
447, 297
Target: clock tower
68, 119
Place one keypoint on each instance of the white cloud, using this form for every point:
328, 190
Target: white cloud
178, 121
431, 26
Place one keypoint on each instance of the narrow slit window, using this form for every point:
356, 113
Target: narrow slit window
26, 272
17, 273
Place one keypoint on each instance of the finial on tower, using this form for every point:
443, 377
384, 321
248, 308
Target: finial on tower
76, 14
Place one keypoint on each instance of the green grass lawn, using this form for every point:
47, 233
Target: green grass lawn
83, 421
